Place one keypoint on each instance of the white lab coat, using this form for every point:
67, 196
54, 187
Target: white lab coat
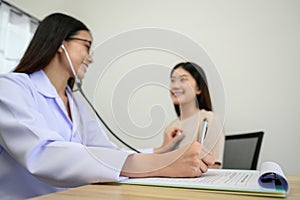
41, 149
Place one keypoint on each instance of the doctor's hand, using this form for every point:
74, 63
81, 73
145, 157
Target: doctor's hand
192, 161
172, 138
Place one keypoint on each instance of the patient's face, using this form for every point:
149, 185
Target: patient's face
183, 87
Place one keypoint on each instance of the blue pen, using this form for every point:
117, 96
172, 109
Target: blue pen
203, 131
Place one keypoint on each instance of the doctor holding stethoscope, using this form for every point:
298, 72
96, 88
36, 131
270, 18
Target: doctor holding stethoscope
49, 140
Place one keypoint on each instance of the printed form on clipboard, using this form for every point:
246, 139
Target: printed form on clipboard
268, 181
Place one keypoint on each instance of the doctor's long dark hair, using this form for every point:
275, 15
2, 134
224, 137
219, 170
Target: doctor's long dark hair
49, 36
203, 99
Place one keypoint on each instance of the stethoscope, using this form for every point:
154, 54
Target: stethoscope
78, 84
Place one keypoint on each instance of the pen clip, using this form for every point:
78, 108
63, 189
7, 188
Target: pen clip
203, 131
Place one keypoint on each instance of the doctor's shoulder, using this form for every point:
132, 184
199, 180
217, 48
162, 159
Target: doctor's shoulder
14, 82
13, 78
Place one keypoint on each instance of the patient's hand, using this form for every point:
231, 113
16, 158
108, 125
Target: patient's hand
172, 139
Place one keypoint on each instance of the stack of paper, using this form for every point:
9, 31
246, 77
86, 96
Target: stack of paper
268, 181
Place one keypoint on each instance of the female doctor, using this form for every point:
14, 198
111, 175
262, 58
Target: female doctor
48, 139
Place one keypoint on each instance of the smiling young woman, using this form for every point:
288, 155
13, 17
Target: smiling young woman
190, 95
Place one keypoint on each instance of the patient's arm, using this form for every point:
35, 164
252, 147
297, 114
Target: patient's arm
172, 138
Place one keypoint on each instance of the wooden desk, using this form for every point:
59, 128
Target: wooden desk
132, 192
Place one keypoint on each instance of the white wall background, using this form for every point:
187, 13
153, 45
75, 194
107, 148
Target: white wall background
255, 46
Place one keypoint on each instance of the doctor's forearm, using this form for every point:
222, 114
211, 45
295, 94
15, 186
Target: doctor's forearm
144, 165
183, 162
